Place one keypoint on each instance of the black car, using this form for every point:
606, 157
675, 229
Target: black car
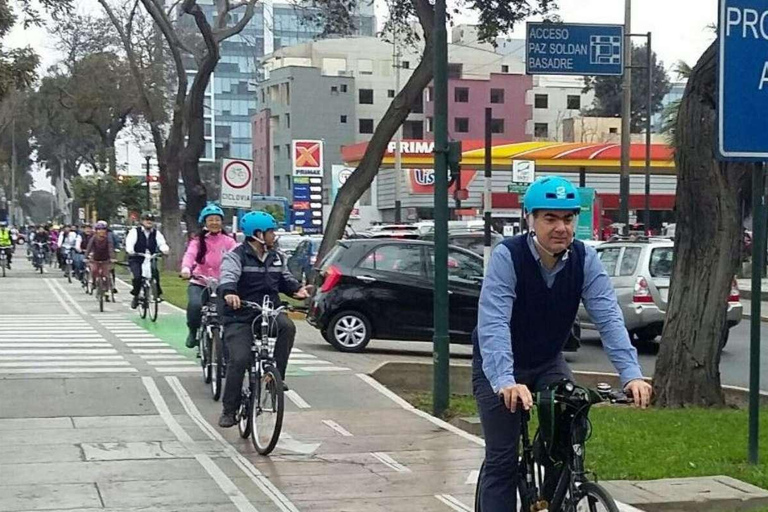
382, 288
471, 239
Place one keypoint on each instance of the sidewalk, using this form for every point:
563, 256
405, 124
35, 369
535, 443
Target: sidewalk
748, 310
745, 287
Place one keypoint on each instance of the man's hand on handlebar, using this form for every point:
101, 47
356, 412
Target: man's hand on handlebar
511, 394
640, 391
233, 301
304, 292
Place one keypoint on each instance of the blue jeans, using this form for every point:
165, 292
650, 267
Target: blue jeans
501, 428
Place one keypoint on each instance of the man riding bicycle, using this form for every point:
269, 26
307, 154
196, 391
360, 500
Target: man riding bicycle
6, 243
251, 271
100, 253
529, 301
66, 242
139, 241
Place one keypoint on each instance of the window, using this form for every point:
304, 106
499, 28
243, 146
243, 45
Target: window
334, 89
343, 87
287, 120
365, 66
613, 131
461, 95
497, 95
390, 93
541, 101
574, 102
406, 64
541, 130
462, 268
430, 93
609, 258
365, 96
661, 262
504, 68
343, 119
276, 152
430, 125
497, 126
403, 259
629, 261
366, 125
461, 125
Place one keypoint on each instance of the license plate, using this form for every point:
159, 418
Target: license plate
664, 293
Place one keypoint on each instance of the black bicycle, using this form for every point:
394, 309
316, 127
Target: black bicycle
4, 258
149, 301
39, 250
210, 349
262, 402
559, 445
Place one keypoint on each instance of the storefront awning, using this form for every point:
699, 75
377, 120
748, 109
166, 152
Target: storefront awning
558, 156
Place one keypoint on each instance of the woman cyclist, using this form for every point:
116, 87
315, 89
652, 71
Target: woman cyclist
203, 257
100, 253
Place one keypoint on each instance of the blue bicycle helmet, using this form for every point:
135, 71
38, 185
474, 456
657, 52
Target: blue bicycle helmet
552, 193
257, 221
210, 209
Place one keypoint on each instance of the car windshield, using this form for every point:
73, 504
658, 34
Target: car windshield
661, 262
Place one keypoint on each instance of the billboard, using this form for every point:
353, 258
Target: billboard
339, 175
307, 158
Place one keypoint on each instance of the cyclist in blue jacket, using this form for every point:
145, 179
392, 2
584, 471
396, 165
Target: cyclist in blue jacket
529, 301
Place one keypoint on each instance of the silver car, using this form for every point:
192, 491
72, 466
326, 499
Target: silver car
640, 272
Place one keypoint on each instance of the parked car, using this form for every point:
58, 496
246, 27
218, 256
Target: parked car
471, 239
288, 243
303, 258
383, 289
640, 271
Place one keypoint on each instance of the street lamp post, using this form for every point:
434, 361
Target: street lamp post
147, 151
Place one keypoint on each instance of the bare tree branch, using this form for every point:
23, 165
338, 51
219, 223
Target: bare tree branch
223, 34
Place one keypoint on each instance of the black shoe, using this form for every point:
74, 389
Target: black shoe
191, 340
114, 290
227, 420
134, 302
285, 387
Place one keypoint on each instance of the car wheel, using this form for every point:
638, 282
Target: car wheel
326, 336
349, 331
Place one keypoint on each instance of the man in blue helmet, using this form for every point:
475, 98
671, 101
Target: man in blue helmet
528, 303
251, 271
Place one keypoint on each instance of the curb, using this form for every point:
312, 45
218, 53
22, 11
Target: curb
747, 316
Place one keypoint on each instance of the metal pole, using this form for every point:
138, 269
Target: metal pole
758, 255
649, 99
582, 177
149, 197
441, 353
488, 195
626, 112
398, 138
13, 170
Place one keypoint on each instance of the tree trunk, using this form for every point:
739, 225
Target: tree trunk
709, 202
393, 119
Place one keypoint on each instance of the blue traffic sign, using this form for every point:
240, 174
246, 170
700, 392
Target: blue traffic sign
743, 80
574, 49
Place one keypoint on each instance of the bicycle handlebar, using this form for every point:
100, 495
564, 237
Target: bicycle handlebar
272, 311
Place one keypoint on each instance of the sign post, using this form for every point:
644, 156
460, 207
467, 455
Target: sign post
742, 125
236, 183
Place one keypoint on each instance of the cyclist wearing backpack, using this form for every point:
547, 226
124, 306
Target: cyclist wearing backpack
529, 301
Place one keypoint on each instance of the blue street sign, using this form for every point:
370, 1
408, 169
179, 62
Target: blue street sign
574, 49
743, 80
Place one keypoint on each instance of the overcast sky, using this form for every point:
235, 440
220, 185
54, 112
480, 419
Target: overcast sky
680, 28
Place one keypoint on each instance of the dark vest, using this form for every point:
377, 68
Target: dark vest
542, 317
142, 243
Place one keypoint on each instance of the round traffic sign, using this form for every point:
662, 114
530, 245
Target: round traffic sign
344, 176
237, 174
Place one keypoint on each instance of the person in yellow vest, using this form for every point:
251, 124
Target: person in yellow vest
6, 242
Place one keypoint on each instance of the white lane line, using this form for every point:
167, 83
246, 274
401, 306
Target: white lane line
338, 428
146, 345
472, 477
302, 356
44, 364
60, 358
78, 307
297, 351
69, 370
59, 298
154, 351
390, 462
48, 339
172, 362
315, 369
55, 351
222, 480
150, 357
36, 336
176, 369
297, 400
408, 407
256, 476
453, 503
40, 344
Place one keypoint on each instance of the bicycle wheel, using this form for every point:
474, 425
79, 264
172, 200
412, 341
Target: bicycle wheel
594, 498
68, 272
3, 264
217, 364
478, 506
101, 296
143, 300
244, 418
154, 302
205, 353
267, 411
110, 288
